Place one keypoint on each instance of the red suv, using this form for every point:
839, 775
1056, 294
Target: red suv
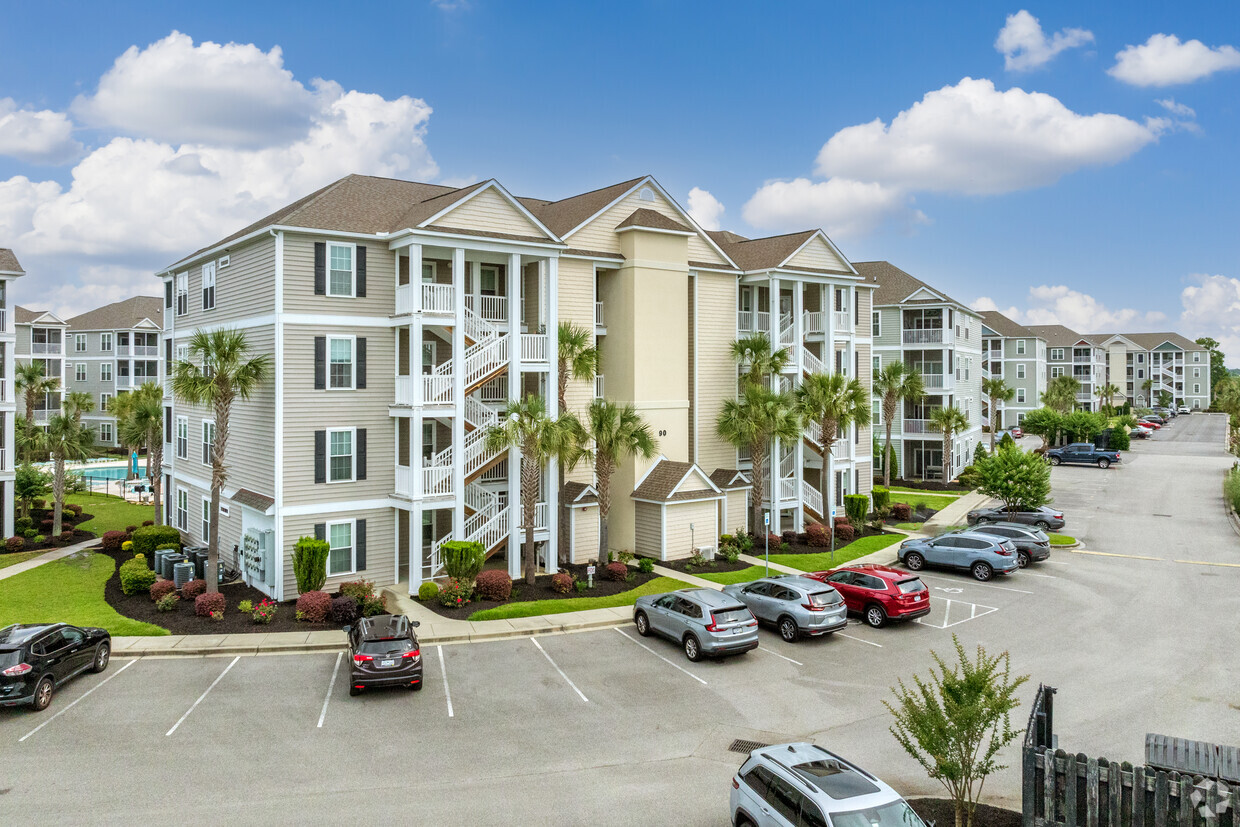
879, 593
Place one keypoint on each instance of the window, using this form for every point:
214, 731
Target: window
876, 323
876, 412
1140, 373
79, 372
428, 358
1056, 354
183, 437
208, 441
1056, 372
105, 371
182, 293
428, 441
876, 365
105, 342
208, 285
105, 432
340, 269
340, 355
79, 342
1196, 356
104, 398
224, 262
1196, 373
1020, 371
1196, 388
182, 509
340, 540
488, 278
206, 519
1020, 395
340, 456
1020, 347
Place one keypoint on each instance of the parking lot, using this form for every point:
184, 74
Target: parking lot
606, 726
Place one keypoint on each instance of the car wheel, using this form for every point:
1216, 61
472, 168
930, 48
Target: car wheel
693, 649
982, 571
42, 695
1022, 559
101, 658
643, 624
788, 629
914, 561
875, 616
983, 520
1041, 525
1054, 460
1104, 463
354, 691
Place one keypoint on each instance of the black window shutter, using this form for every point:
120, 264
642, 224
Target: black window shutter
361, 454
320, 531
320, 456
320, 362
320, 268
359, 543
361, 271
361, 363
168, 293
168, 425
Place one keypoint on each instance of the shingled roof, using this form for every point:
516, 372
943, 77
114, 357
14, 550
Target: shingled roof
9, 262
577, 493
253, 499
663, 479
1056, 335
1004, 326
648, 218
121, 315
730, 479
893, 285
23, 315
1149, 341
760, 253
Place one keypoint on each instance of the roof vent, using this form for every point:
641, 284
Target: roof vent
647, 194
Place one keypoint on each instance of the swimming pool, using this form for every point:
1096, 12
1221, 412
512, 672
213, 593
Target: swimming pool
115, 472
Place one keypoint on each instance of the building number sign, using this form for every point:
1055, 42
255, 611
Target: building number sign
662, 433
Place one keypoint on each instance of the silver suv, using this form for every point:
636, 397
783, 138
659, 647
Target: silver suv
790, 785
703, 621
795, 605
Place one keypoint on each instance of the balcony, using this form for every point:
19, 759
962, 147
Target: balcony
917, 426
842, 321
598, 386
46, 347
928, 335
1079, 359
438, 298
437, 480
146, 350
491, 308
600, 324
1084, 397
814, 321
535, 348
751, 321
4, 320
404, 480
938, 382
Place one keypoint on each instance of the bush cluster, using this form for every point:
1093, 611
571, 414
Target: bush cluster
148, 539
1231, 489
845, 533
15, 543
314, 606
344, 610
135, 576
428, 590
168, 602
359, 590
881, 498
374, 604
788, 536
193, 588
562, 582
39, 539
456, 593
645, 564
263, 612
22, 523
209, 604
161, 589
112, 540
902, 512
66, 535
245, 606
818, 536
493, 584
856, 506
616, 571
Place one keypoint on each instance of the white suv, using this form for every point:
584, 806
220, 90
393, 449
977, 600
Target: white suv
803, 785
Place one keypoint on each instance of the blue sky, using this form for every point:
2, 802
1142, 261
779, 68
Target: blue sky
1048, 180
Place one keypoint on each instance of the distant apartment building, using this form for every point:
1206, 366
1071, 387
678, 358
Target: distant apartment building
927, 330
1069, 353
41, 340
1016, 355
10, 270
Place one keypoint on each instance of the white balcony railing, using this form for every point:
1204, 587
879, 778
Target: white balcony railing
495, 391
938, 382
45, 347
404, 298
437, 298
491, 308
437, 480
404, 390
598, 315
929, 335
752, 321
146, 350
787, 490
534, 347
6, 390
814, 321
404, 480
917, 426
843, 321
436, 390
540, 517
598, 386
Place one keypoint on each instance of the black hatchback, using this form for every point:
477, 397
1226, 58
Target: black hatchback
37, 658
385, 652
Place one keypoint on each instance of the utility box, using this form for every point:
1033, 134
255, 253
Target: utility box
182, 573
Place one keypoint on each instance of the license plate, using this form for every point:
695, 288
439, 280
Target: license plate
736, 630
387, 663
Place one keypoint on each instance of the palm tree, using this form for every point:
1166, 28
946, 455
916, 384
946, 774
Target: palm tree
751, 423
1060, 394
67, 440
949, 420
31, 382
996, 390
1106, 395
525, 425
1145, 386
143, 424
896, 383
230, 374
760, 361
617, 432
834, 402
77, 403
578, 358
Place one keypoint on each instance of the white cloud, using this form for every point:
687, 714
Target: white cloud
1175, 108
1025, 46
971, 138
1060, 304
1212, 308
232, 94
842, 208
1164, 61
706, 209
985, 303
37, 137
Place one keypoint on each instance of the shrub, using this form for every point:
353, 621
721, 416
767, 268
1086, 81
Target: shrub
784, 548
206, 605
818, 536
344, 609
168, 602
839, 521
902, 512
1118, 439
245, 606
169, 546
23, 523
881, 498
428, 591
625, 556
788, 536
145, 523
856, 506
581, 586
1006, 441
135, 576
695, 560
845, 533
262, 613
462, 560
66, 535
563, 581
314, 606
112, 540
774, 539
645, 565
1231, 489
359, 590
38, 539
456, 593
193, 588
374, 604
15, 543
46, 525
30, 534
745, 541
127, 545
493, 584
310, 565
162, 588
616, 571
149, 538
130, 529
217, 616
730, 553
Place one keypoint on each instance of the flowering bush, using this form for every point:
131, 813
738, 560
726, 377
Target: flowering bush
493, 584
456, 593
262, 613
563, 581
127, 545
374, 605
168, 602
112, 540
208, 605
314, 606
218, 616
344, 609
161, 589
15, 544
193, 588
616, 571
359, 590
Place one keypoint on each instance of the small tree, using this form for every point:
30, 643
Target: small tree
753, 422
1106, 395
1165, 399
893, 384
577, 358
68, 441
1019, 479
30, 484
1045, 423
996, 391
463, 560
310, 564
949, 421
955, 722
1083, 426
1060, 394
618, 432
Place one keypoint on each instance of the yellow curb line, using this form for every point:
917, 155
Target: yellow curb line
1109, 554
1204, 563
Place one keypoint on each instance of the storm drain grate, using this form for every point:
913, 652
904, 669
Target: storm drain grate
746, 747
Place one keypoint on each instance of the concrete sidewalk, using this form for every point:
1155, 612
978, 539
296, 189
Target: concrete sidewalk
54, 554
956, 513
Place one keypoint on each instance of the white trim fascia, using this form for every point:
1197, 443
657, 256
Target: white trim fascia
607, 206
403, 238
693, 466
492, 183
820, 234
924, 289
310, 509
270, 229
653, 465
683, 233
665, 503
663, 532
763, 277
14, 273
278, 425
719, 269
607, 259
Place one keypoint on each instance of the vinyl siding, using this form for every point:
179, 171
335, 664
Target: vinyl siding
704, 516
716, 372
491, 212
585, 533
299, 297
648, 532
889, 323
576, 305
816, 255
738, 511
865, 370
380, 547
865, 305
243, 289
600, 234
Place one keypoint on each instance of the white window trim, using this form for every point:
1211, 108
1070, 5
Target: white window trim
352, 455
352, 547
208, 283
79, 343
1020, 396
105, 367
105, 342
352, 340
205, 448
352, 263
206, 520
110, 436
182, 291
182, 513
1020, 347
876, 320
182, 423
80, 372
1020, 371
104, 399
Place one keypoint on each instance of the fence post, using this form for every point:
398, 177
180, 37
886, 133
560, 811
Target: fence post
1160, 799
1069, 791
1028, 778
1091, 793
1048, 786
1115, 794
1138, 797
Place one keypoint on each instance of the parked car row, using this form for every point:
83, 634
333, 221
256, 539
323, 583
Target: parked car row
1083, 453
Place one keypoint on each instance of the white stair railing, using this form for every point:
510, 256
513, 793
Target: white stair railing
814, 432
787, 490
812, 363
478, 415
812, 498
785, 329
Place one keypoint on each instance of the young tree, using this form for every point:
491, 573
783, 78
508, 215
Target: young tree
30, 484
1060, 394
525, 425
577, 358
834, 402
949, 421
996, 391
1218, 370
752, 422
1145, 386
1106, 395
77, 403
143, 424
759, 361
617, 432
894, 384
33, 386
229, 373
1165, 399
955, 722
1019, 479
68, 441
1046, 423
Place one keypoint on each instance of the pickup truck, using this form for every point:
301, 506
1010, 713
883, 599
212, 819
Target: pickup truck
1082, 452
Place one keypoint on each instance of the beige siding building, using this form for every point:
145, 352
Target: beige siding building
10, 270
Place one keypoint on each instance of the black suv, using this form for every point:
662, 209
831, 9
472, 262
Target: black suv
36, 658
385, 652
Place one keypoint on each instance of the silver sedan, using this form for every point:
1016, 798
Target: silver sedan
795, 605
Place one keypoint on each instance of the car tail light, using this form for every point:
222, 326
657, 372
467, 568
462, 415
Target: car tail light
15, 671
714, 624
362, 658
736, 785
1006, 549
811, 607
416, 653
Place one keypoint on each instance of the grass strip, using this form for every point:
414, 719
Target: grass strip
579, 604
69, 590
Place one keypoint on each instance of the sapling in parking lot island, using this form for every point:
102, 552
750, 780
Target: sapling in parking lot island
1021, 480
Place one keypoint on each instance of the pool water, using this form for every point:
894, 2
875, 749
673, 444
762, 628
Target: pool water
116, 472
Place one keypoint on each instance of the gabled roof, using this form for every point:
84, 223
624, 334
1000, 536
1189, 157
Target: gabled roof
649, 219
761, 253
9, 262
730, 479
569, 213
1149, 341
253, 499
122, 315
662, 483
1056, 335
894, 286
578, 493
1005, 327
40, 317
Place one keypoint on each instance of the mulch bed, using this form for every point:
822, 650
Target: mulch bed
941, 812
183, 621
926, 485
806, 548
541, 590
717, 565
38, 515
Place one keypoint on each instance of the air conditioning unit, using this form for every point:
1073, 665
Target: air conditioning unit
706, 551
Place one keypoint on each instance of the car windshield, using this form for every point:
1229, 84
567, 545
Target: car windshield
831, 598
385, 647
732, 614
911, 585
893, 814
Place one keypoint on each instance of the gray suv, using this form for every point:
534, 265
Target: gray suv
795, 605
703, 621
980, 554
1032, 545
803, 785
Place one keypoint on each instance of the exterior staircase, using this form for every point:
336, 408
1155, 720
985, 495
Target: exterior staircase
485, 357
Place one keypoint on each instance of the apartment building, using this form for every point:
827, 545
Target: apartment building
399, 316
1015, 354
941, 338
41, 338
1081, 357
110, 351
1168, 362
10, 269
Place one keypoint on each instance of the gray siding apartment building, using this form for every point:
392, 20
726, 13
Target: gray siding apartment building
1016, 355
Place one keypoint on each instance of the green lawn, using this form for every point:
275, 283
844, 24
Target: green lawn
7, 560
1061, 539
855, 549
70, 590
111, 513
936, 501
742, 576
910, 526
575, 604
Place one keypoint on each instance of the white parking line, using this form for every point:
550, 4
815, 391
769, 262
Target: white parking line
975, 585
1027, 573
558, 669
776, 654
203, 695
443, 671
77, 701
665, 660
330, 684
947, 611
859, 640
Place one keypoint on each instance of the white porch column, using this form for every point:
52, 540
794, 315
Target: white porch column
514, 393
773, 304
458, 393
798, 339
551, 283
418, 399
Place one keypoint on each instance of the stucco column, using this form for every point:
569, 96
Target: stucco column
458, 393
514, 393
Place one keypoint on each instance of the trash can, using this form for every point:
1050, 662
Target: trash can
182, 573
